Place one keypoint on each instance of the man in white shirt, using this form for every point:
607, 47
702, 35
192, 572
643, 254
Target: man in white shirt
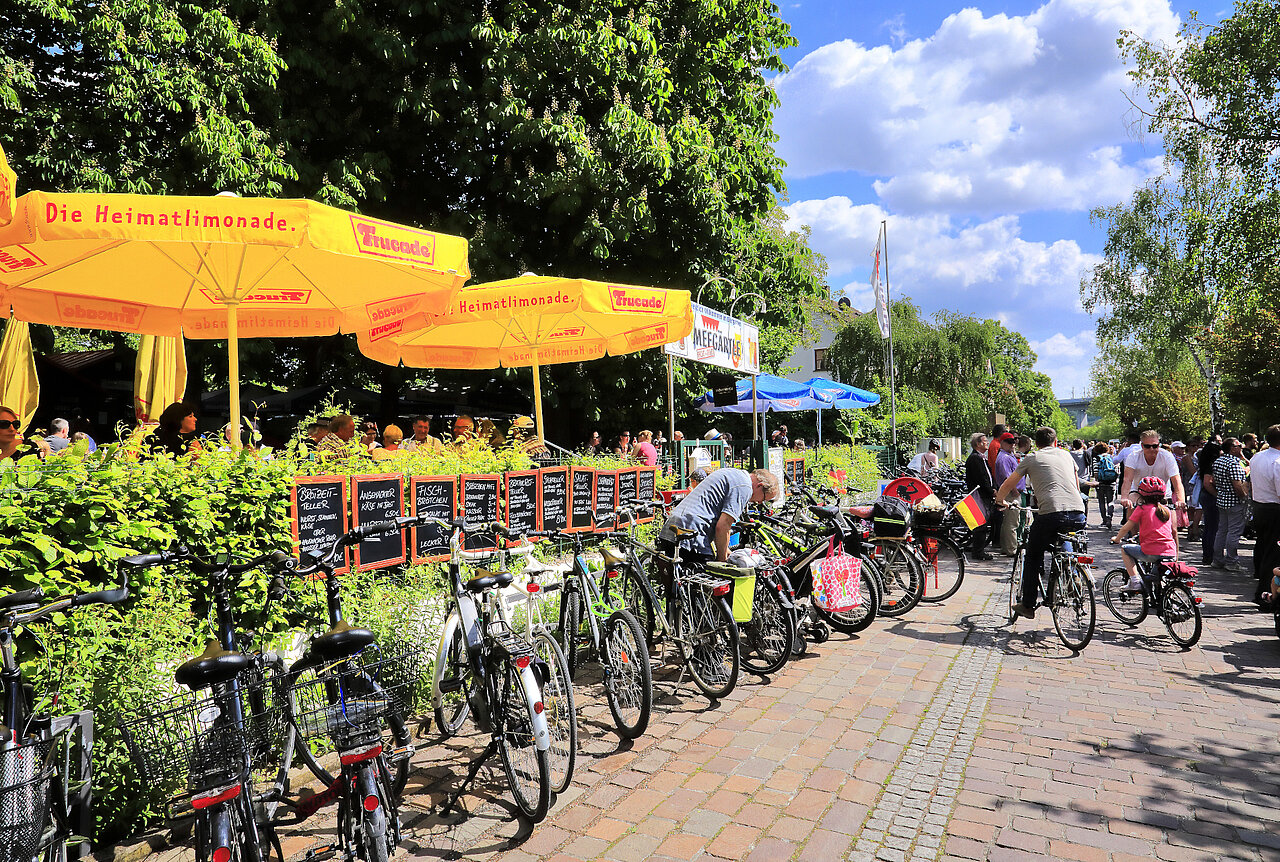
422, 438
1150, 460
1264, 488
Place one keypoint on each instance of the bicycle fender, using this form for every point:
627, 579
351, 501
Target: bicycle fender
541, 735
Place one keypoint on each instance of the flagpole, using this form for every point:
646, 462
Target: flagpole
893, 405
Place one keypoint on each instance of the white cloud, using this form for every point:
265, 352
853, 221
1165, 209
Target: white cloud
988, 114
941, 262
1067, 359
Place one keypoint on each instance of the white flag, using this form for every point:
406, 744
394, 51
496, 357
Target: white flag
882, 302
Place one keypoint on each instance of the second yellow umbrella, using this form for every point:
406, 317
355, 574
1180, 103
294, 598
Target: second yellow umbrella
159, 376
533, 321
19, 385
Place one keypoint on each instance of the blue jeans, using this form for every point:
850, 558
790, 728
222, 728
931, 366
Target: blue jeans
1044, 529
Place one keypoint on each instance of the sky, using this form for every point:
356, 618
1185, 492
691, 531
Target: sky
982, 136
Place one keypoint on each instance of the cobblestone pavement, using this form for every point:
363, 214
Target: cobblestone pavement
942, 735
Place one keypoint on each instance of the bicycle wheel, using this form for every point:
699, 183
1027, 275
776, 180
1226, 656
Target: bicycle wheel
628, 681
571, 624
1074, 611
527, 767
636, 600
1128, 607
1181, 615
944, 567
705, 622
902, 578
856, 619
764, 643
1015, 583
451, 680
374, 842
561, 712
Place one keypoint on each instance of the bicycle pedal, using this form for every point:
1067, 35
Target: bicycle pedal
318, 853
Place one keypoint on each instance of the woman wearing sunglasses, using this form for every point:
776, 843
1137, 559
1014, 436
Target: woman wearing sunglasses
177, 432
11, 443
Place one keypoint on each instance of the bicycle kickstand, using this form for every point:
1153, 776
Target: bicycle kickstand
472, 771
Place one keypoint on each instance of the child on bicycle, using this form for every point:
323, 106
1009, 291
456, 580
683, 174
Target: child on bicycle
1153, 522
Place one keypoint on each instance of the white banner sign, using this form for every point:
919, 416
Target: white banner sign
882, 301
718, 339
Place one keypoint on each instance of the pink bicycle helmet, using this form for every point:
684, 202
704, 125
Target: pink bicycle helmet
1151, 486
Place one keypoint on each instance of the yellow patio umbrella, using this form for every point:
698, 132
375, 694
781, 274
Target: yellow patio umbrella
219, 267
533, 321
8, 189
19, 385
159, 376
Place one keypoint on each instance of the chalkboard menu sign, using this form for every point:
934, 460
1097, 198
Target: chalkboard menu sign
646, 488
436, 496
480, 496
606, 498
378, 498
522, 501
794, 471
582, 482
554, 494
628, 487
319, 515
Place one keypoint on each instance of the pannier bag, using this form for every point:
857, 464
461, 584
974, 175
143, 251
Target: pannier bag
890, 517
837, 580
929, 512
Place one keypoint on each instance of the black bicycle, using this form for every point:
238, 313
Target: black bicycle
45, 760
1165, 590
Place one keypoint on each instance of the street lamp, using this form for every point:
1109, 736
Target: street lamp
713, 279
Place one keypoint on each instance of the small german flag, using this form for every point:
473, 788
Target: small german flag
973, 510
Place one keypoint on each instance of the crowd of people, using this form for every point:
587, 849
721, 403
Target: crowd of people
1208, 491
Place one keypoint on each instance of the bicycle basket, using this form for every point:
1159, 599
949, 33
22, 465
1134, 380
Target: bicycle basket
194, 737
25, 771
347, 697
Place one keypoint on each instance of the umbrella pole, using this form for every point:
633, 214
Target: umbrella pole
819, 427
233, 371
537, 398
753, 409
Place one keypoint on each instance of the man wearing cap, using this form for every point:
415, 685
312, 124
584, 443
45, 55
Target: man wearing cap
1005, 524
525, 439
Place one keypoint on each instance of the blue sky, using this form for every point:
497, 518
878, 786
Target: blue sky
983, 135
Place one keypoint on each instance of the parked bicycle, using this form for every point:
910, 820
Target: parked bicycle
1066, 583
483, 669
1165, 589
45, 760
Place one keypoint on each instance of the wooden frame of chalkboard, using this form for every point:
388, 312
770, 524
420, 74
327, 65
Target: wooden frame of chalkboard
522, 521
430, 543
547, 505
484, 540
646, 488
602, 498
336, 488
794, 471
582, 499
371, 497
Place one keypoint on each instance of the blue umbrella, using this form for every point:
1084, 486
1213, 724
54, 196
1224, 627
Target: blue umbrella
772, 393
842, 397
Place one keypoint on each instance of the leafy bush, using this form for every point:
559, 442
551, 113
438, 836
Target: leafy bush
858, 463
65, 524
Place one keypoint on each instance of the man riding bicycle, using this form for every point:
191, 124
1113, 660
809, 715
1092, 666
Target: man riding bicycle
1056, 482
711, 509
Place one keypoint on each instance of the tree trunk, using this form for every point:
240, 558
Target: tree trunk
1209, 370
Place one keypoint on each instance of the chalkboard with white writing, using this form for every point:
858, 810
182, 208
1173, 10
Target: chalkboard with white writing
378, 498
480, 495
522, 501
646, 488
582, 498
554, 494
319, 515
628, 487
436, 496
606, 498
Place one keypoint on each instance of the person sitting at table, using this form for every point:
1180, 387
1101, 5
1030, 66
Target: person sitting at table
391, 447
12, 446
177, 432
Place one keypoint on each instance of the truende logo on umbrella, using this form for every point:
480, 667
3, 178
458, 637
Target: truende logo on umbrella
649, 337
98, 313
15, 258
284, 296
568, 332
383, 239
636, 299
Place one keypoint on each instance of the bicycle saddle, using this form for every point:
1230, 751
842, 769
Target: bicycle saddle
859, 511
341, 641
612, 556
825, 512
681, 532
487, 580
211, 667
726, 570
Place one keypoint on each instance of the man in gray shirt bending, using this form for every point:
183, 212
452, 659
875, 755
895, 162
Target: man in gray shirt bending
711, 509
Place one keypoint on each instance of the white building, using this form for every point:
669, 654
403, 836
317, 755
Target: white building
810, 358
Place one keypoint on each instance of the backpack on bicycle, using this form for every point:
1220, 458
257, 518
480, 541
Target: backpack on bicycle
890, 517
